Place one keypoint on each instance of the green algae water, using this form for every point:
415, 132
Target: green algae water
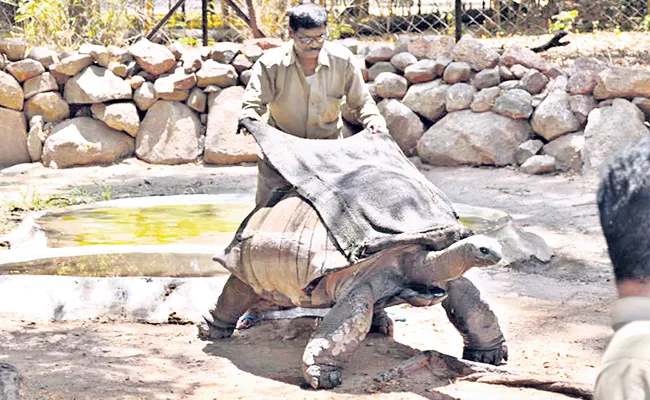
206, 224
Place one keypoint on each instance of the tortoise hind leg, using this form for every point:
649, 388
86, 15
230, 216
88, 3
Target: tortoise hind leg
476, 322
339, 334
234, 300
382, 323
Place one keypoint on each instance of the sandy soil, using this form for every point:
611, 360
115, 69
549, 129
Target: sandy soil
555, 316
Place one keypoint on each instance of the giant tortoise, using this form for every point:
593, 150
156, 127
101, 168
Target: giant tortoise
283, 254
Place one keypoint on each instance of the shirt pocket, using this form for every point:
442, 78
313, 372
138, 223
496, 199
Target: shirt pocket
332, 109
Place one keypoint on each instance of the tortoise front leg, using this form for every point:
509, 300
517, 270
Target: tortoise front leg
477, 324
234, 300
339, 334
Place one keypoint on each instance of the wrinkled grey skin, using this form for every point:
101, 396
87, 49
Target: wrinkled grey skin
359, 308
9, 382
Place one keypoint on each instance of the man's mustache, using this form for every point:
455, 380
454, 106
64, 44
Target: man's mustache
309, 49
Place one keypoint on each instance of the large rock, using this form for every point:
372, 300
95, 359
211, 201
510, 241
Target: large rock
11, 94
403, 124
96, 85
622, 82
120, 116
223, 145
514, 103
427, 99
49, 105
523, 56
25, 69
13, 138
376, 52
421, 71
567, 151
169, 134
457, 72
484, 99
197, 100
431, 46
581, 105
40, 84
224, 52
378, 68
83, 141
474, 53
554, 117
72, 65
487, 78
13, 48
389, 85
145, 96
153, 58
644, 105
460, 97
214, 73
609, 129
402, 60
538, 164
583, 75
533, 81
36, 137
100, 54
44, 55
527, 149
465, 137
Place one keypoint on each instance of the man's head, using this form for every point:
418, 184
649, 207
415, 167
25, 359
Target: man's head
624, 206
308, 29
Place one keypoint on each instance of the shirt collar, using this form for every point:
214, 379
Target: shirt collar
630, 309
290, 56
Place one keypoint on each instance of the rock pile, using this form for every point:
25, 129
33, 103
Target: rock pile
449, 103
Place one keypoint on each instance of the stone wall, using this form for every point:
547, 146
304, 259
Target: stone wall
448, 103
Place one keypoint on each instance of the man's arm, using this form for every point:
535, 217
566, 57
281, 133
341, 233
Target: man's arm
258, 93
359, 99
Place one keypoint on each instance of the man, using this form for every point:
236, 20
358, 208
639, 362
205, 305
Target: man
624, 205
302, 85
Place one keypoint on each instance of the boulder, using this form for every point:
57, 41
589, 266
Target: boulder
506, 74
40, 84
44, 55
50, 105
644, 105
145, 96
524, 56
581, 105
518, 71
567, 151
241, 63
36, 137
610, 129
376, 52
554, 117
514, 103
169, 134
484, 99
533, 81
465, 137
223, 145
431, 46
224, 52
214, 73
378, 68
197, 100
11, 93
151, 57
487, 78
402, 60
457, 72
474, 53
13, 48
25, 69
83, 141
121, 116
389, 85
96, 85
583, 75
421, 71
403, 124
528, 149
622, 82
440, 64
72, 65
539, 164
427, 99
13, 138
459, 97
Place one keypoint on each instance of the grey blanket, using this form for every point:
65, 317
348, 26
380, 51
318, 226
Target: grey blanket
366, 191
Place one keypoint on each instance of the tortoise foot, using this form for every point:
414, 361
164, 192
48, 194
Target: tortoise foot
488, 356
382, 323
323, 376
214, 330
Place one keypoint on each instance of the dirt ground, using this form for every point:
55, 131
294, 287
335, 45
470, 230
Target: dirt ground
555, 317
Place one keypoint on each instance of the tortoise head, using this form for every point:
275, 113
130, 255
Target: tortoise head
452, 262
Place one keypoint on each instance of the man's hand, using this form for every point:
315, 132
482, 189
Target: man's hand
241, 129
377, 128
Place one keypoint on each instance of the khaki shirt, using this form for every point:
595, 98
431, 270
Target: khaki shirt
625, 374
306, 110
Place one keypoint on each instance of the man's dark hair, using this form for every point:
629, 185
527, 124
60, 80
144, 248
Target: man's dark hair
624, 206
307, 16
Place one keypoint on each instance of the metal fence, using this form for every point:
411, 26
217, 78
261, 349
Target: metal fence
486, 18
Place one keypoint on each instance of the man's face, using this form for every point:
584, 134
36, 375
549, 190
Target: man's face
308, 42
